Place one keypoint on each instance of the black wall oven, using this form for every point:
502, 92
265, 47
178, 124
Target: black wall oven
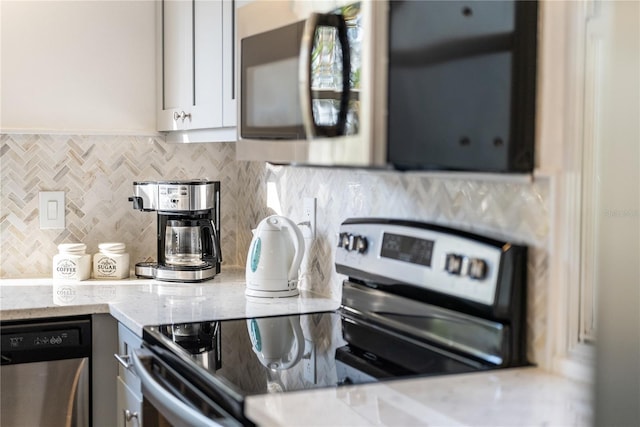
414, 85
420, 300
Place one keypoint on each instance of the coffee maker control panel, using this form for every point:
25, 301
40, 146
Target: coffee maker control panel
176, 196
173, 197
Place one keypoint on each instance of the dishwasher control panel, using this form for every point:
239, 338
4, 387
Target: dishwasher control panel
44, 340
37, 340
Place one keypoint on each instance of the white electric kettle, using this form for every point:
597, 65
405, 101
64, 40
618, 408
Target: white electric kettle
277, 341
274, 258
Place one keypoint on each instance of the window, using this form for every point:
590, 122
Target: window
595, 241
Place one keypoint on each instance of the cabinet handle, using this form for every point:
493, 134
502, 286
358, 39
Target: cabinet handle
181, 115
123, 360
128, 416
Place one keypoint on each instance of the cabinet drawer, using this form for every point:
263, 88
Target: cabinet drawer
127, 343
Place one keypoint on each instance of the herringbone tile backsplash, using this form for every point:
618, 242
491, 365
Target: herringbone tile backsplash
96, 173
513, 209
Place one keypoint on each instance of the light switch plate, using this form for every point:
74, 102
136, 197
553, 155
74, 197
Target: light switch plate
51, 210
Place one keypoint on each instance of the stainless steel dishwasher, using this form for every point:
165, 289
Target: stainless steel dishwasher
44, 376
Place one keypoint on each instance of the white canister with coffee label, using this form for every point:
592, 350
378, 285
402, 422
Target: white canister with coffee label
72, 262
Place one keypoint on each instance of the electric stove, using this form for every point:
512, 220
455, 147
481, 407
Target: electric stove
419, 299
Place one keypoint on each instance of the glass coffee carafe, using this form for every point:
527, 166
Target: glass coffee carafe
183, 242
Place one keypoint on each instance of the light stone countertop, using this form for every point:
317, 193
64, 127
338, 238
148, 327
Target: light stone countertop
509, 397
512, 397
140, 302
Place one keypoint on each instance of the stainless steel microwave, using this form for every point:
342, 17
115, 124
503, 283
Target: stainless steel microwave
410, 85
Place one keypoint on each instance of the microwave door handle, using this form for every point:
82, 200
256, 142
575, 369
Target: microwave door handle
341, 25
316, 20
304, 74
163, 400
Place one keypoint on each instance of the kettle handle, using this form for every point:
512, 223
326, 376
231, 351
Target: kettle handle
298, 337
298, 242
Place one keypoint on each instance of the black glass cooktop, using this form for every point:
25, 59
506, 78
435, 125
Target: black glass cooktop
300, 352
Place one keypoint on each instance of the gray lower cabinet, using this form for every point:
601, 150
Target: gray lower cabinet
104, 341
129, 406
129, 392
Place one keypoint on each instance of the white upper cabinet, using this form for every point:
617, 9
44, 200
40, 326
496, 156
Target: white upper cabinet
195, 67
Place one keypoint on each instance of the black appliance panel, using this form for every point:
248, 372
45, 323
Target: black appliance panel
462, 85
45, 340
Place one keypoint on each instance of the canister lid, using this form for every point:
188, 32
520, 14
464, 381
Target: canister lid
72, 248
112, 247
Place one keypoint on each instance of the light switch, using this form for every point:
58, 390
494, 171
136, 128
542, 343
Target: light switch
52, 210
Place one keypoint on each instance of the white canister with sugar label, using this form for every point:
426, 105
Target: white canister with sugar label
112, 262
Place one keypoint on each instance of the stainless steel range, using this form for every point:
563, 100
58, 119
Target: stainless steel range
419, 300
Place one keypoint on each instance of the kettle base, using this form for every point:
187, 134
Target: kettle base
271, 294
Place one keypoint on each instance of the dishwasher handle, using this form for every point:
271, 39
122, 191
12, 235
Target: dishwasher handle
172, 408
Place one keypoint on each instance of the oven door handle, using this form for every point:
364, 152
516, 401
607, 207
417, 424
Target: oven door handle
176, 411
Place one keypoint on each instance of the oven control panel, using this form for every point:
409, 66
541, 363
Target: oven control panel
457, 264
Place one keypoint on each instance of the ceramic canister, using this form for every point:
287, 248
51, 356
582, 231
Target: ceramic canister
72, 262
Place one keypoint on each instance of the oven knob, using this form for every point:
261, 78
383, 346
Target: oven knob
343, 240
477, 269
351, 243
453, 264
361, 244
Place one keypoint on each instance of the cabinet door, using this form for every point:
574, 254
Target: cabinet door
190, 63
175, 62
129, 407
229, 49
206, 95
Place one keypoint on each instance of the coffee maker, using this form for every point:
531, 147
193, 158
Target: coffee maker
188, 237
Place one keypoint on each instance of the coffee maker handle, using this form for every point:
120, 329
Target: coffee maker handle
215, 241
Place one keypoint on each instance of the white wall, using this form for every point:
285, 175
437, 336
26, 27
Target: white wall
77, 66
618, 227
